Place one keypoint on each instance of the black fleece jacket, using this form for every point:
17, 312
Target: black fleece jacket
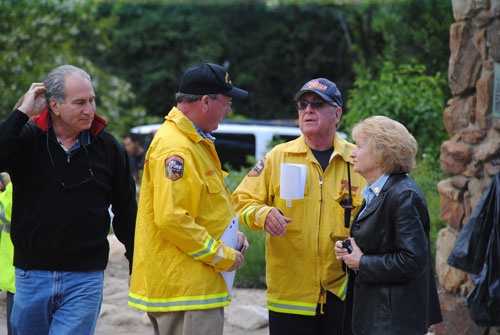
65, 228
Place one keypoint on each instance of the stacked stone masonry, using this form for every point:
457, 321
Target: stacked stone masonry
474, 143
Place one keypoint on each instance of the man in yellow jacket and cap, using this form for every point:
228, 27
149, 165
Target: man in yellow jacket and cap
185, 208
7, 277
305, 283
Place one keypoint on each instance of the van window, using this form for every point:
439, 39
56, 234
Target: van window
233, 149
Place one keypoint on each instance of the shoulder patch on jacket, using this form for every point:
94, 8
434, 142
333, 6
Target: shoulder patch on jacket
174, 167
257, 169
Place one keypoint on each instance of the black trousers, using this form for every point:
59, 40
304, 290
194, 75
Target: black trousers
329, 323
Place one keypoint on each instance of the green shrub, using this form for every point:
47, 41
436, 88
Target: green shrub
404, 94
253, 272
36, 37
427, 174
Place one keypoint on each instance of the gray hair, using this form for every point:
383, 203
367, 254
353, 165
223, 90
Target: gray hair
55, 82
183, 97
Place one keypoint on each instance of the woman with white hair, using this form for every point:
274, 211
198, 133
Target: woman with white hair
391, 286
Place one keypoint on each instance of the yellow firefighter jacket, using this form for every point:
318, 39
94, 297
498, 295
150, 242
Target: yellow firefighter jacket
301, 264
184, 207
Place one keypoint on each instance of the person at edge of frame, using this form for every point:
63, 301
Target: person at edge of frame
66, 171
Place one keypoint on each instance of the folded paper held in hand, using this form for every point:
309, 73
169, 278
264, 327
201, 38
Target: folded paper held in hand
292, 182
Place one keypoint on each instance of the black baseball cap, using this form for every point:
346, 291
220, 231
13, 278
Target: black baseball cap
208, 78
322, 87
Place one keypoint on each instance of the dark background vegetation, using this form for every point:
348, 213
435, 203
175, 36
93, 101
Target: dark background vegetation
387, 57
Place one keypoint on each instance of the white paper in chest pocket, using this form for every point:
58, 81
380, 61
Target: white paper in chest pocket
292, 181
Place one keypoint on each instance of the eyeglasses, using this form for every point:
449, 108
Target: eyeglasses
315, 104
226, 105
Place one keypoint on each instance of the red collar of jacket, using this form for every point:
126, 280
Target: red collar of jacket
97, 125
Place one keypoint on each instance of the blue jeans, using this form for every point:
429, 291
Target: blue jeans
56, 302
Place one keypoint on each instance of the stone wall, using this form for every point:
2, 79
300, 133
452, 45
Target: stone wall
474, 132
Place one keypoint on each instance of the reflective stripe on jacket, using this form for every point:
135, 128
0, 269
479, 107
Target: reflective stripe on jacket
7, 278
184, 208
301, 265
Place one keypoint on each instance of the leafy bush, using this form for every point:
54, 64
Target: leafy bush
253, 272
254, 41
37, 37
427, 174
404, 94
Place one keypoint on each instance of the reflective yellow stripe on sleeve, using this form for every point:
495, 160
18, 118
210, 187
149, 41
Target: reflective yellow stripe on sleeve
207, 250
3, 215
246, 215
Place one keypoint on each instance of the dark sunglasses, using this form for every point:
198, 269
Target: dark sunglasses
315, 104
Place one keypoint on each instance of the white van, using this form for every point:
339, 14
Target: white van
235, 140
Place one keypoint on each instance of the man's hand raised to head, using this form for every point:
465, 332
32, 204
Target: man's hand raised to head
33, 102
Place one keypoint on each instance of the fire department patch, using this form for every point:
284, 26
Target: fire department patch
257, 169
174, 167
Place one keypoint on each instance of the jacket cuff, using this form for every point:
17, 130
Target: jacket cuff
228, 260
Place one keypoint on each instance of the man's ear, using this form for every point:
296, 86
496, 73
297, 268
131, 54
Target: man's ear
204, 102
54, 106
339, 113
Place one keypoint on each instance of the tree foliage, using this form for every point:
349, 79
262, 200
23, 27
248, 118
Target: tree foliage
404, 94
401, 54
270, 51
136, 51
404, 32
36, 37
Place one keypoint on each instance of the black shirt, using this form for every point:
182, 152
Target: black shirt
323, 156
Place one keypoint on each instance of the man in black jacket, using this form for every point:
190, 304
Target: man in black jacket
66, 171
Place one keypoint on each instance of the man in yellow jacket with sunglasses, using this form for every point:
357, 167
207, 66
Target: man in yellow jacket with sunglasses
184, 209
305, 282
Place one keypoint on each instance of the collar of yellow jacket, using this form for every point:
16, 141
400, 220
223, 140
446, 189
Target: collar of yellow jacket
184, 124
341, 147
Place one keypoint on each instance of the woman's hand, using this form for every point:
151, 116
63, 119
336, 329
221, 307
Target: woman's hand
340, 251
350, 259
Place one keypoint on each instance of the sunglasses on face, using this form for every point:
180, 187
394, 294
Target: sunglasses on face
315, 104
